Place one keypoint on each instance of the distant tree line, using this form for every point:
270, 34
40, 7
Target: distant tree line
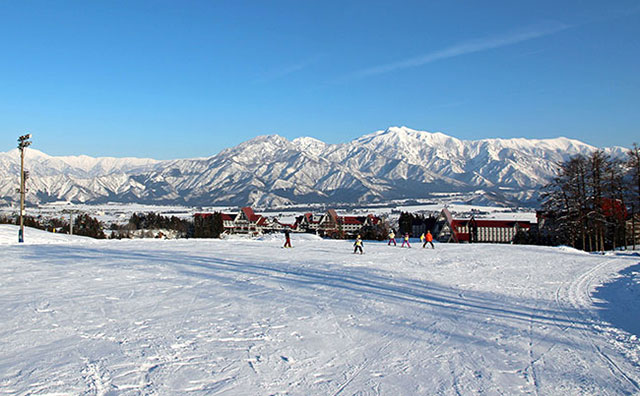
407, 222
83, 225
591, 198
39, 222
152, 221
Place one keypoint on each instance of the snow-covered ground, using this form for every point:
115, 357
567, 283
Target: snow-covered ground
246, 317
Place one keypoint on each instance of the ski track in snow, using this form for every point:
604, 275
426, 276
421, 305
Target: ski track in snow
579, 295
246, 317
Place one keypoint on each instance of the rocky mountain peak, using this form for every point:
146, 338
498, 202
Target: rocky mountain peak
395, 163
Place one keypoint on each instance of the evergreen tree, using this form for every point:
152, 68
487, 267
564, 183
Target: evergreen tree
218, 225
86, 225
208, 225
154, 221
377, 232
405, 223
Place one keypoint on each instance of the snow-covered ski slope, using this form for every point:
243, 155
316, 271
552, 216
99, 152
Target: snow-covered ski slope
246, 317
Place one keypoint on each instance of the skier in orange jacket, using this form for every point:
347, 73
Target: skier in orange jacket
428, 239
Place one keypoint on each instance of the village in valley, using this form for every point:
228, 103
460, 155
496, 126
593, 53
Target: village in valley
448, 223
473, 226
444, 227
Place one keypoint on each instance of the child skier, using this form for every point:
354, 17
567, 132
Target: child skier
357, 245
422, 239
428, 239
406, 240
392, 238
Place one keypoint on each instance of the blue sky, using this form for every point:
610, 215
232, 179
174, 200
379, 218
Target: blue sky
177, 79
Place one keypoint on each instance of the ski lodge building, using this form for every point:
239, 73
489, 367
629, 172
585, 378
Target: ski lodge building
248, 222
474, 230
330, 223
308, 222
244, 222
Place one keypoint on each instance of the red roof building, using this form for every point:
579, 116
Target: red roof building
227, 219
244, 222
308, 222
248, 222
449, 229
331, 222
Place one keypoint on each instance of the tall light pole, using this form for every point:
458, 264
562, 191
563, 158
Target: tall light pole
23, 143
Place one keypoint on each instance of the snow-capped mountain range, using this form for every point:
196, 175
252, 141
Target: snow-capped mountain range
395, 163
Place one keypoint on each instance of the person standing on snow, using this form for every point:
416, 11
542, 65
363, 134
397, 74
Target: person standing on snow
406, 240
392, 238
287, 236
428, 239
422, 239
357, 245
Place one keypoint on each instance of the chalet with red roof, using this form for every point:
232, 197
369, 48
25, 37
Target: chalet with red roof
328, 222
227, 222
308, 222
247, 222
331, 223
244, 222
449, 229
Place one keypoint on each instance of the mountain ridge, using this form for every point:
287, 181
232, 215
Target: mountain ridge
270, 170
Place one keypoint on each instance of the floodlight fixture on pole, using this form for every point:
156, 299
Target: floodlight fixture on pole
23, 143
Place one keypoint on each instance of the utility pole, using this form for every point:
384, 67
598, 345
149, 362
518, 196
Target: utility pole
23, 143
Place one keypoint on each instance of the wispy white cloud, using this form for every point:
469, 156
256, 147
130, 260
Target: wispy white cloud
463, 48
288, 69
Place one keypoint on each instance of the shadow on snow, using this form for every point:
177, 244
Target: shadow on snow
619, 300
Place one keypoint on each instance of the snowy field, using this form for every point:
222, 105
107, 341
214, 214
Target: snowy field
246, 317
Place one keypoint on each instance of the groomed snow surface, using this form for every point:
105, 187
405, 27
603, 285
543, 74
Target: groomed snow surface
247, 317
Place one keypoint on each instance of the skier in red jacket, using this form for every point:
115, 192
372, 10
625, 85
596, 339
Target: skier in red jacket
287, 236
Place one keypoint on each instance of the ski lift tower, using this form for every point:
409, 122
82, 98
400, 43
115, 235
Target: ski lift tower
71, 213
23, 143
